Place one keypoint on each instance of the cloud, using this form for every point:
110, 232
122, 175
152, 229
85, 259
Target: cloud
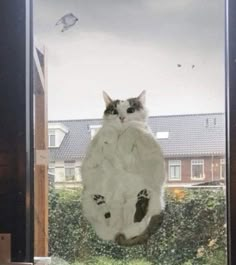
184, 23
127, 46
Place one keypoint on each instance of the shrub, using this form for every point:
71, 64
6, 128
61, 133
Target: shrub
193, 232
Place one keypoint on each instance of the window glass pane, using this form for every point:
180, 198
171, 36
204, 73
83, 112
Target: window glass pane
174, 50
197, 171
52, 140
177, 171
69, 171
174, 170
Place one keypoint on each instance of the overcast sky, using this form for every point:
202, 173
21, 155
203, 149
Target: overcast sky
125, 46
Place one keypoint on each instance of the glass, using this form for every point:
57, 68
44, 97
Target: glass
175, 50
175, 170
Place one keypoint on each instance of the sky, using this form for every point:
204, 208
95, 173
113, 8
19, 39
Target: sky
127, 46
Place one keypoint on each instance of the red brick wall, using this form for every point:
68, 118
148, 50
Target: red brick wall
211, 172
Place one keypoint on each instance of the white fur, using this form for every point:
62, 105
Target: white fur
122, 159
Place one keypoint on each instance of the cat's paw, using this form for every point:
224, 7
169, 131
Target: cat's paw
99, 199
143, 194
143, 198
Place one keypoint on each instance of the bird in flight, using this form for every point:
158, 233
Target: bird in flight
68, 21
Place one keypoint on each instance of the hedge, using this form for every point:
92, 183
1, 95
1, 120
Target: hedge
193, 232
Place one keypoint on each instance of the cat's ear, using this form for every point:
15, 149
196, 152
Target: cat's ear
142, 97
106, 98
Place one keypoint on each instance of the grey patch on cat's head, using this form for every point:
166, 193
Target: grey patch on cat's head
135, 103
111, 109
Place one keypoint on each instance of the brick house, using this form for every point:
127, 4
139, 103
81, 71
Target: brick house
193, 147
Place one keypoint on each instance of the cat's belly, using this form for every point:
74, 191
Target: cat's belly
118, 166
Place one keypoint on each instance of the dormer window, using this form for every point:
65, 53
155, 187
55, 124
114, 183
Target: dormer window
51, 138
56, 134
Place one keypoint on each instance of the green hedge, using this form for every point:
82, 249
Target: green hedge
193, 232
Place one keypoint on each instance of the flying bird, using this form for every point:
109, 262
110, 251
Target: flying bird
68, 21
179, 65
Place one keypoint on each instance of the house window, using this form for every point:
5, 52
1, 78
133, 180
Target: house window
162, 135
174, 169
222, 169
70, 171
51, 168
51, 138
197, 169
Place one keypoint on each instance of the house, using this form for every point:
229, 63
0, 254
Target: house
193, 147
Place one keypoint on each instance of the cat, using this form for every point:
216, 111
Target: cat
123, 174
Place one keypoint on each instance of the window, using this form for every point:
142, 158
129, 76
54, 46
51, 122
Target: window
174, 170
222, 169
51, 168
162, 135
197, 169
70, 171
177, 72
51, 138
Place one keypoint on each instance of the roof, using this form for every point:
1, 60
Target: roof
189, 135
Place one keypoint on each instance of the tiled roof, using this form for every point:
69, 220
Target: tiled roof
189, 135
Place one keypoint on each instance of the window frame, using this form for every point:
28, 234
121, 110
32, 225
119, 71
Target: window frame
230, 110
194, 163
222, 170
174, 162
230, 36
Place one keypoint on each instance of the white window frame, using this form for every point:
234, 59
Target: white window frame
222, 163
174, 163
69, 165
197, 162
51, 133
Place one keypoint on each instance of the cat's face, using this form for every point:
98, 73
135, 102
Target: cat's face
123, 111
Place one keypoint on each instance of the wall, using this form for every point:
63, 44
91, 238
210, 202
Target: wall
59, 136
211, 169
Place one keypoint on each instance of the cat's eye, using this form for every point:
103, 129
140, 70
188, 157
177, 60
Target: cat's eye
130, 110
114, 112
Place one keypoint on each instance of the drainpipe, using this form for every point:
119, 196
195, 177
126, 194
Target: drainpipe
212, 168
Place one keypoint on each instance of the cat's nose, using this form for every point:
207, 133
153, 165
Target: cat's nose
122, 119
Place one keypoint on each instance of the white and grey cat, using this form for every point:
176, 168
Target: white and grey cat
123, 174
